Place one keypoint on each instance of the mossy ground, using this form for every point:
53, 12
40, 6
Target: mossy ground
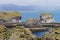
17, 33
53, 34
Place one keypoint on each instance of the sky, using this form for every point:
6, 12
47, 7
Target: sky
50, 4
32, 2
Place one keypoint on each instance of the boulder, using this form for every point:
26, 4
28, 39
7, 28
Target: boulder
32, 22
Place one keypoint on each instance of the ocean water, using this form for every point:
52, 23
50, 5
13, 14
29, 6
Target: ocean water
39, 34
36, 14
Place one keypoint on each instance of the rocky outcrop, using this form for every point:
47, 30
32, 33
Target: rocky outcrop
10, 17
46, 18
53, 34
17, 33
32, 22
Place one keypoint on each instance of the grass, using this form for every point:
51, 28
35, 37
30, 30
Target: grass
7, 15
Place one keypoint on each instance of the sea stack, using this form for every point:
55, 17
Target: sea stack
46, 18
32, 22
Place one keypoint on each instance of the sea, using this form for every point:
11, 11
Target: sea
36, 14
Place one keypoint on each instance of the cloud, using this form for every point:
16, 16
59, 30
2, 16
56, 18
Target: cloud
44, 3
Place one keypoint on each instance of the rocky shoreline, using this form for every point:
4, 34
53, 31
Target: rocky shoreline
16, 33
53, 34
11, 28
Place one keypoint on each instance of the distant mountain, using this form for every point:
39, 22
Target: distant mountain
12, 7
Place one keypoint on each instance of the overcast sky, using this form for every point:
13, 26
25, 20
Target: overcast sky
32, 2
